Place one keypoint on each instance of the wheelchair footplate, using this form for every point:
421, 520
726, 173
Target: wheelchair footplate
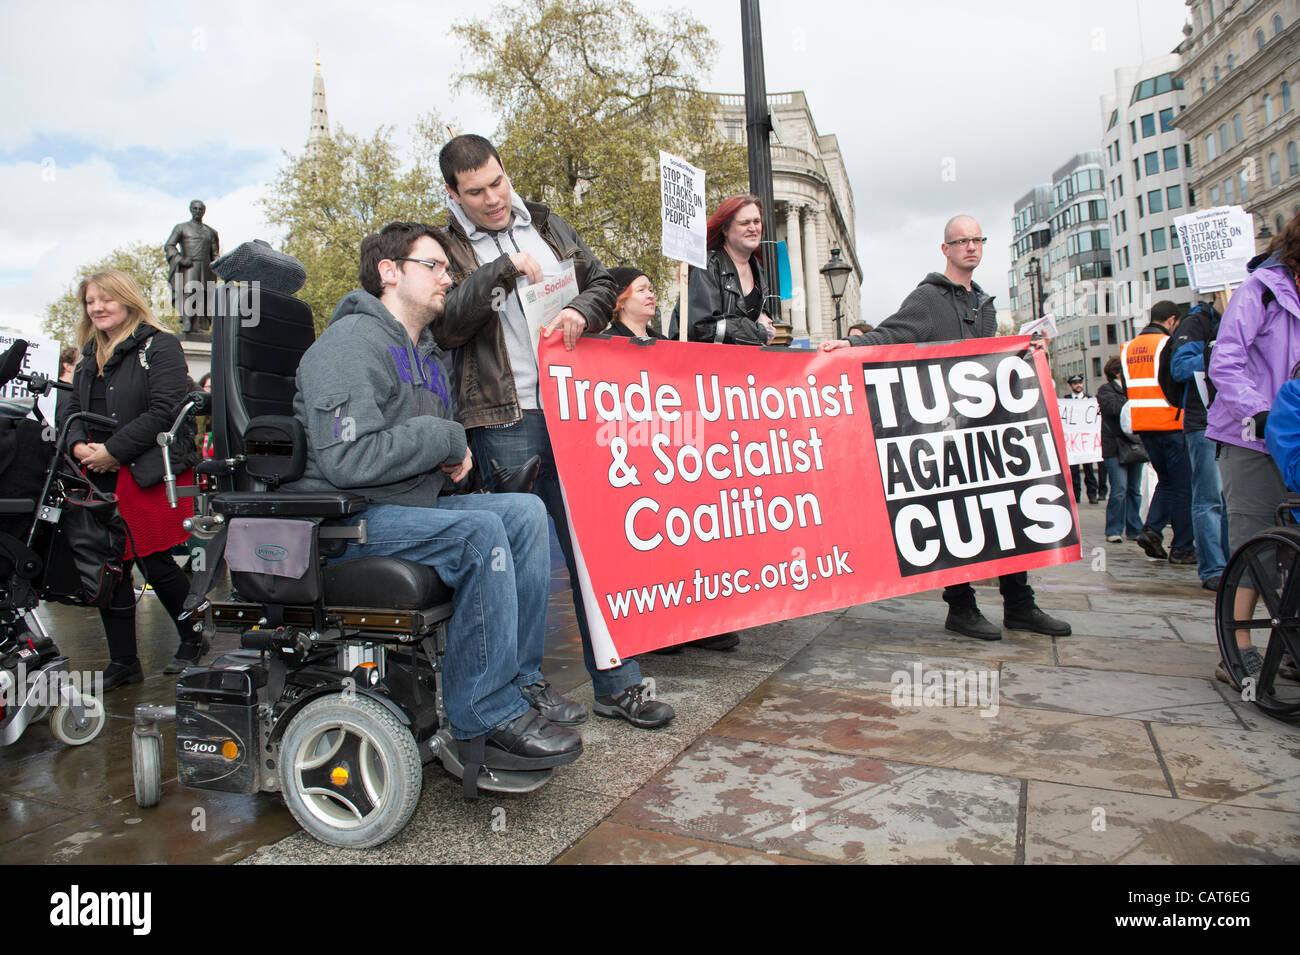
443, 746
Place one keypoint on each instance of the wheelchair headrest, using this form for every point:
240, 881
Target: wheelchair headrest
256, 261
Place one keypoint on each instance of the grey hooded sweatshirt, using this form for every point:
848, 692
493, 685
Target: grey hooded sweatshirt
937, 310
377, 409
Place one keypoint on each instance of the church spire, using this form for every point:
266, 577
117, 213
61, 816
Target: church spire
320, 121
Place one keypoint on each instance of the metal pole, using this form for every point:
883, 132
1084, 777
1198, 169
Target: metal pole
758, 126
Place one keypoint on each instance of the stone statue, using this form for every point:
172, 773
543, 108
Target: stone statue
190, 250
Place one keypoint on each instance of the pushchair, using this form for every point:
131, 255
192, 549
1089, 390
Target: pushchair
335, 697
36, 681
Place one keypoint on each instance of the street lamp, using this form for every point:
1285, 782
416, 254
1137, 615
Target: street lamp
1034, 273
837, 275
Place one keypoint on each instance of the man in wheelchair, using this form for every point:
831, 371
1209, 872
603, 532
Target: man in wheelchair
374, 398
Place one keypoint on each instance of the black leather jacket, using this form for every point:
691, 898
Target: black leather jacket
145, 382
485, 382
716, 305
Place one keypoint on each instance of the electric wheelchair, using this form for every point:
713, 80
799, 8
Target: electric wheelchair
335, 697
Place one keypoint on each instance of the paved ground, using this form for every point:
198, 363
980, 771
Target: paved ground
1112, 745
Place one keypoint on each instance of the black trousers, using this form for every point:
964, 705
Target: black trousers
1017, 595
169, 583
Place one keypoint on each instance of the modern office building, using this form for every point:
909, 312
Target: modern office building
1147, 169
814, 209
1061, 256
1240, 68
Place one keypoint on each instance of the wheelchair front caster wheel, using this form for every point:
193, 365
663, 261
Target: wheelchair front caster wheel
146, 769
349, 771
77, 729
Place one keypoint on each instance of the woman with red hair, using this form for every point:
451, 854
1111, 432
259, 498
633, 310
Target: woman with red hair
726, 299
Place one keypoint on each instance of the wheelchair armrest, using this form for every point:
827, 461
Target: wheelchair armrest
17, 505
327, 504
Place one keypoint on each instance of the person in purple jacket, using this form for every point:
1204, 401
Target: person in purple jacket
1257, 348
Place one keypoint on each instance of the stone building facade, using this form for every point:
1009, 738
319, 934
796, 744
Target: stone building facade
1241, 70
814, 209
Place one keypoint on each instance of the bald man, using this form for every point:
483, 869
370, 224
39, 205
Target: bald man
950, 306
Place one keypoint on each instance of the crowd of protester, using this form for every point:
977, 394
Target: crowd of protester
1191, 395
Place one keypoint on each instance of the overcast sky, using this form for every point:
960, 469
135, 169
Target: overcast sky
113, 117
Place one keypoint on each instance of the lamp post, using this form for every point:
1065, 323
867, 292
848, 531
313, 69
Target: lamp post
837, 275
1035, 275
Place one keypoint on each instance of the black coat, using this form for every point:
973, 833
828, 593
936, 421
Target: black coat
145, 383
716, 304
1110, 402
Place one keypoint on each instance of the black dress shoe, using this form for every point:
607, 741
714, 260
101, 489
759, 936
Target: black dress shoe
972, 623
119, 672
1150, 542
557, 709
188, 654
1035, 621
531, 742
721, 641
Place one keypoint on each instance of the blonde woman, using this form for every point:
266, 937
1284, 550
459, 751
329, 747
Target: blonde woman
134, 371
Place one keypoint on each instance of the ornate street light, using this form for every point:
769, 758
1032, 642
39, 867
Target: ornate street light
837, 276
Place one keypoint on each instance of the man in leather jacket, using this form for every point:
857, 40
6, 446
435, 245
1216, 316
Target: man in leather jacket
495, 238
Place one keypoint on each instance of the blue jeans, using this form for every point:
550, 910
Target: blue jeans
510, 446
493, 550
1172, 502
1209, 510
1124, 506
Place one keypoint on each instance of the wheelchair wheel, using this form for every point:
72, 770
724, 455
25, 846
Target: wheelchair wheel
1260, 596
146, 769
349, 771
63, 722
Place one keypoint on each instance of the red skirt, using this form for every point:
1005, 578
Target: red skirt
155, 525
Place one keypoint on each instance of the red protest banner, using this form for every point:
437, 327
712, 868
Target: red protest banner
715, 487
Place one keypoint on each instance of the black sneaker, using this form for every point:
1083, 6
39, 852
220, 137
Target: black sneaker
634, 705
971, 623
1035, 621
1150, 542
1213, 583
557, 709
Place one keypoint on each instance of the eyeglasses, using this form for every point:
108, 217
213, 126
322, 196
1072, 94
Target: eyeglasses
978, 240
439, 268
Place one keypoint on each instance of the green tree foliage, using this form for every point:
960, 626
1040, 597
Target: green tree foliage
143, 262
589, 91
338, 191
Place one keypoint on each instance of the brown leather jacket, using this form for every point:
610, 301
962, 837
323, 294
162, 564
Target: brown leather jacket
485, 383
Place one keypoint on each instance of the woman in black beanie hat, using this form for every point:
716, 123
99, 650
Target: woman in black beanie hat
634, 309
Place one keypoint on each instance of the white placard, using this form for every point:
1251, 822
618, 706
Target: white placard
1216, 244
1045, 326
543, 300
1081, 427
43, 358
681, 203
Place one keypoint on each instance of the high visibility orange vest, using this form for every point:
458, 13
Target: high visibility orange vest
1141, 361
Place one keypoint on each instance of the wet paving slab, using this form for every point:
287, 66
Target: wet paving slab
830, 808
1014, 741
1077, 825
1136, 696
